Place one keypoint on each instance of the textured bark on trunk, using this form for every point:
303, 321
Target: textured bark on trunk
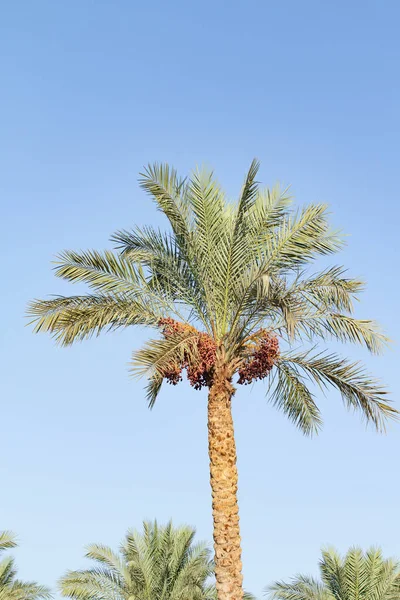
224, 478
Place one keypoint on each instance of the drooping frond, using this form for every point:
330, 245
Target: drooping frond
344, 328
291, 395
359, 391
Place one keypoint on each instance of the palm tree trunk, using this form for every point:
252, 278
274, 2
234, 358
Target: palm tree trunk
224, 478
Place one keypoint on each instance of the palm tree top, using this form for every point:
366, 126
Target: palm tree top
161, 562
226, 284
356, 576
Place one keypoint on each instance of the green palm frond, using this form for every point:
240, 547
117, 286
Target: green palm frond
382, 577
238, 250
268, 211
300, 239
74, 318
105, 556
105, 272
209, 244
333, 570
164, 186
92, 584
344, 328
249, 192
156, 356
158, 252
167, 268
146, 245
20, 590
7, 540
153, 388
299, 588
294, 399
7, 571
359, 391
331, 289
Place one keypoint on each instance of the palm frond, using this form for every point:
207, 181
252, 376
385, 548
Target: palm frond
74, 318
331, 289
163, 184
299, 588
300, 239
153, 388
249, 191
168, 269
7, 540
157, 356
347, 329
20, 590
294, 399
359, 391
92, 584
7, 571
105, 556
209, 245
103, 271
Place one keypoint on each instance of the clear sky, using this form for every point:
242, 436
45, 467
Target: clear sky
92, 90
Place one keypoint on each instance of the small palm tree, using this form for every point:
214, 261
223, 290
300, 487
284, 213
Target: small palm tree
10, 587
228, 290
162, 563
357, 576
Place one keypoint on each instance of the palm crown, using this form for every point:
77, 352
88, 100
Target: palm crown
162, 563
227, 283
357, 576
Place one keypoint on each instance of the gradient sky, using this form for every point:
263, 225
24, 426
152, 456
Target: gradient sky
91, 91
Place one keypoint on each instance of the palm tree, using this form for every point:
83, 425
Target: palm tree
228, 289
357, 576
162, 563
10, 587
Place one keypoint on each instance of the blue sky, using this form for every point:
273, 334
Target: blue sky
93, 90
